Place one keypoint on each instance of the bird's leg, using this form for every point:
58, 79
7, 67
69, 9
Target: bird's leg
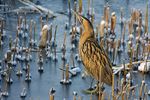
91, 84
101, 87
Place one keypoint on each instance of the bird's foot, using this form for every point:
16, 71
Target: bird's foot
94, 90
91, 90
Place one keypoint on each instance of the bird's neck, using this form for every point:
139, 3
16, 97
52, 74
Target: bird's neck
88, 28
85, 35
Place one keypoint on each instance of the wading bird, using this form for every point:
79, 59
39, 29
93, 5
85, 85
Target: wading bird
94, 58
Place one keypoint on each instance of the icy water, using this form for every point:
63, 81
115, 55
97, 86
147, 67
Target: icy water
40, 84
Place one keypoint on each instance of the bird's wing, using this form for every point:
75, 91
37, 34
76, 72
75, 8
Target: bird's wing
95, 60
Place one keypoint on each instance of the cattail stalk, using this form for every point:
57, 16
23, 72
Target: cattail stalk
28, 71
10, 43
64, 42
47, 17
2, 27
69, 6
50, 33
25, 21
51, 97
106, 17
141, 89
146, 20
19, 23
96, 33
130, 25
63, 74
123, 34
79, 98
72, 59
105, 11
89, 6
1, 32
101, 31
114, 51
55, 40
124, 74
101, 28
109, 97
92, 13
41, 22
5, 84
137, 50
113, 83
91, 97
121, 14
139, 27
34, 30
123, 96
67, 72
103, 96
99, 85
31, 22
74, 97
80, 6
145, 92
113, 22
75, 9
15, 45
119, 82
19, 66
131, 56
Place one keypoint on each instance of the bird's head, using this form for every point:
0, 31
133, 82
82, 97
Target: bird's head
87, 25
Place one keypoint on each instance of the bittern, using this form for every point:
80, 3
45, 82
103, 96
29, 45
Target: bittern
93, 56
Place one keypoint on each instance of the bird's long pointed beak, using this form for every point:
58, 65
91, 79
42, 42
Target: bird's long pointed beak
77, 15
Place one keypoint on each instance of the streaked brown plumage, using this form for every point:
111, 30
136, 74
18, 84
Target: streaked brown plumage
93, 56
